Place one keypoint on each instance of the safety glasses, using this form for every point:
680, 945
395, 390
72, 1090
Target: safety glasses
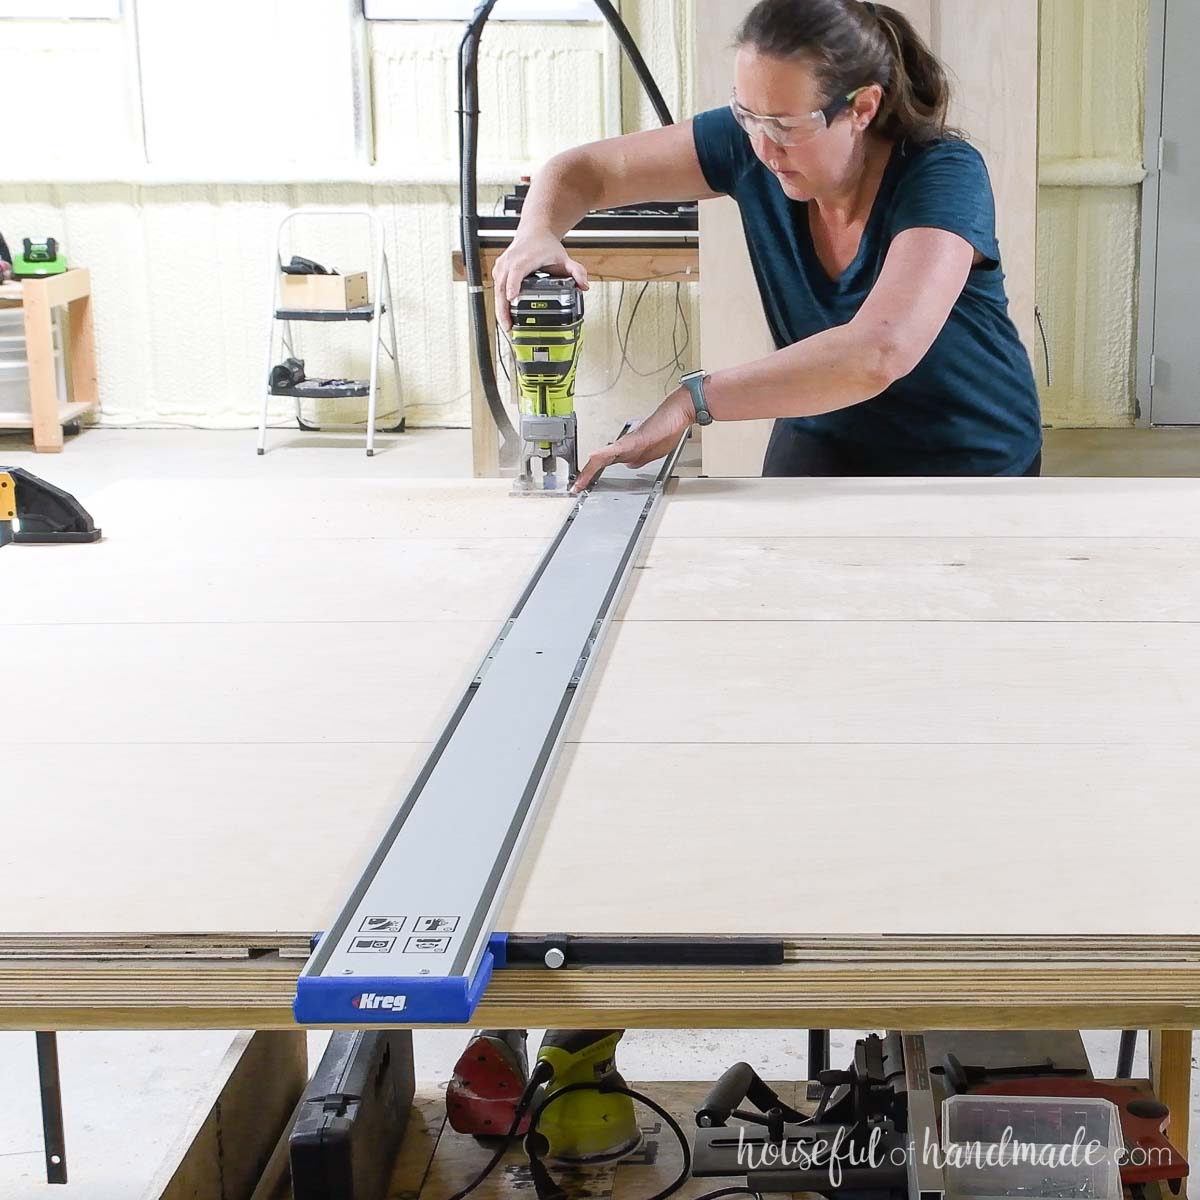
790, 131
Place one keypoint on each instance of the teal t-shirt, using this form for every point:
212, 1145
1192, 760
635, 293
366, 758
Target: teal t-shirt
971, 405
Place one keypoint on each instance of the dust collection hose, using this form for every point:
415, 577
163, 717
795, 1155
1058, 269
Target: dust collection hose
468, 157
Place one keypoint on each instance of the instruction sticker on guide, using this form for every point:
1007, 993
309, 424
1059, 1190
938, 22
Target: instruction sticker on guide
436, 924
427, 945
383, 924
368, 945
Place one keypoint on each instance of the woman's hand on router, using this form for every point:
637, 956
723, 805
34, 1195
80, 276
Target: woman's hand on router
531, 252
657, 435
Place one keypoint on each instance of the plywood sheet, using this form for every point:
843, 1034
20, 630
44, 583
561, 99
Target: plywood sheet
916, 682
224, 817
204, 838
265, 510
328, 580
925, 508
246, 672
828, 764
867, 840
916, 579
252, 683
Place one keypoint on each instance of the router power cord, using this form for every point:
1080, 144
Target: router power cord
535, 1145
542, 1074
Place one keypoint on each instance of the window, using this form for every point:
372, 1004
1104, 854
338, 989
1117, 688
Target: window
57, 9
461, 10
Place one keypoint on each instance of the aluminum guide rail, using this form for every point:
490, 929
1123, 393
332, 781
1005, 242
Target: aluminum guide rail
411, 944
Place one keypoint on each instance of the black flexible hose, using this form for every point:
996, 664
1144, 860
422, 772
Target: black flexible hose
468, 151
636, 61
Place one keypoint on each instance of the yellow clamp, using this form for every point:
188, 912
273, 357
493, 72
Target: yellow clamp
8, 497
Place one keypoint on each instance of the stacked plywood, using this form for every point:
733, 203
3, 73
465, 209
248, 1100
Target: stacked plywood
220, 700
938, 736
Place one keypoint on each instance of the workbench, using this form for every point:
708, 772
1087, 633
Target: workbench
38, 298
938, 736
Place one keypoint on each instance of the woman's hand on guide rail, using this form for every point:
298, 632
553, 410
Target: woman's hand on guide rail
656, 436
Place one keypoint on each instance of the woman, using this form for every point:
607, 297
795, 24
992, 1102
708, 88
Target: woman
872, 232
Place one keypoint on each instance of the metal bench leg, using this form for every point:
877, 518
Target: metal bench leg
1126, 1053
818, 1052
52, 1115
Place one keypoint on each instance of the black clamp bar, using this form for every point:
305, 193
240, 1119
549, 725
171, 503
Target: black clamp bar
587, 950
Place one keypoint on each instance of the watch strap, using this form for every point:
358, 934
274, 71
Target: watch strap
694, 382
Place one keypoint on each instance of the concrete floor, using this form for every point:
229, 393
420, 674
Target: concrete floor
101, 455
1124, 452
128, 1096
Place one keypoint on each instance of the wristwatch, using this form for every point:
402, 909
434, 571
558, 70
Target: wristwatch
694, 382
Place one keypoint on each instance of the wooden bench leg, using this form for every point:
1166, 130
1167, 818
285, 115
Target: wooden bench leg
485, 438
82, 348
43, 385
234, 1129
1171, 1077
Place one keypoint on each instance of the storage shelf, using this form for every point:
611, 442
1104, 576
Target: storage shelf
66, 414
358, 388
365, 313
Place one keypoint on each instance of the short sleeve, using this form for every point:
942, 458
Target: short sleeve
722, 147
948, 187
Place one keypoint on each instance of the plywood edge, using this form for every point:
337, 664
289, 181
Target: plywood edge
1097, 993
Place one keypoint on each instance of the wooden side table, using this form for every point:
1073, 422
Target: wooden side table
71, 290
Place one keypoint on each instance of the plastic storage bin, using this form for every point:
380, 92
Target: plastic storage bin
1036, 1147
14, 365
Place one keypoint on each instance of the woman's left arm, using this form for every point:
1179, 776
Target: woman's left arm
923, 275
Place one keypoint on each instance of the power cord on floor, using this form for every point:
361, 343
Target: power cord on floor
536, 1145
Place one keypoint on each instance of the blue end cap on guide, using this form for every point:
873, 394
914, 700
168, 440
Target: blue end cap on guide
360, 1001
498, 949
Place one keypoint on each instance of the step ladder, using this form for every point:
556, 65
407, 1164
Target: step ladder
370, 315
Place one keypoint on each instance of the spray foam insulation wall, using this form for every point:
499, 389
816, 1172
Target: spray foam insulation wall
178, 246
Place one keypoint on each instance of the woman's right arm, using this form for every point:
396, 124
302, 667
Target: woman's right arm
658, 164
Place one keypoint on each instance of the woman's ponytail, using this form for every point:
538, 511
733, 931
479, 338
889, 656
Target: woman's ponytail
917, 98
